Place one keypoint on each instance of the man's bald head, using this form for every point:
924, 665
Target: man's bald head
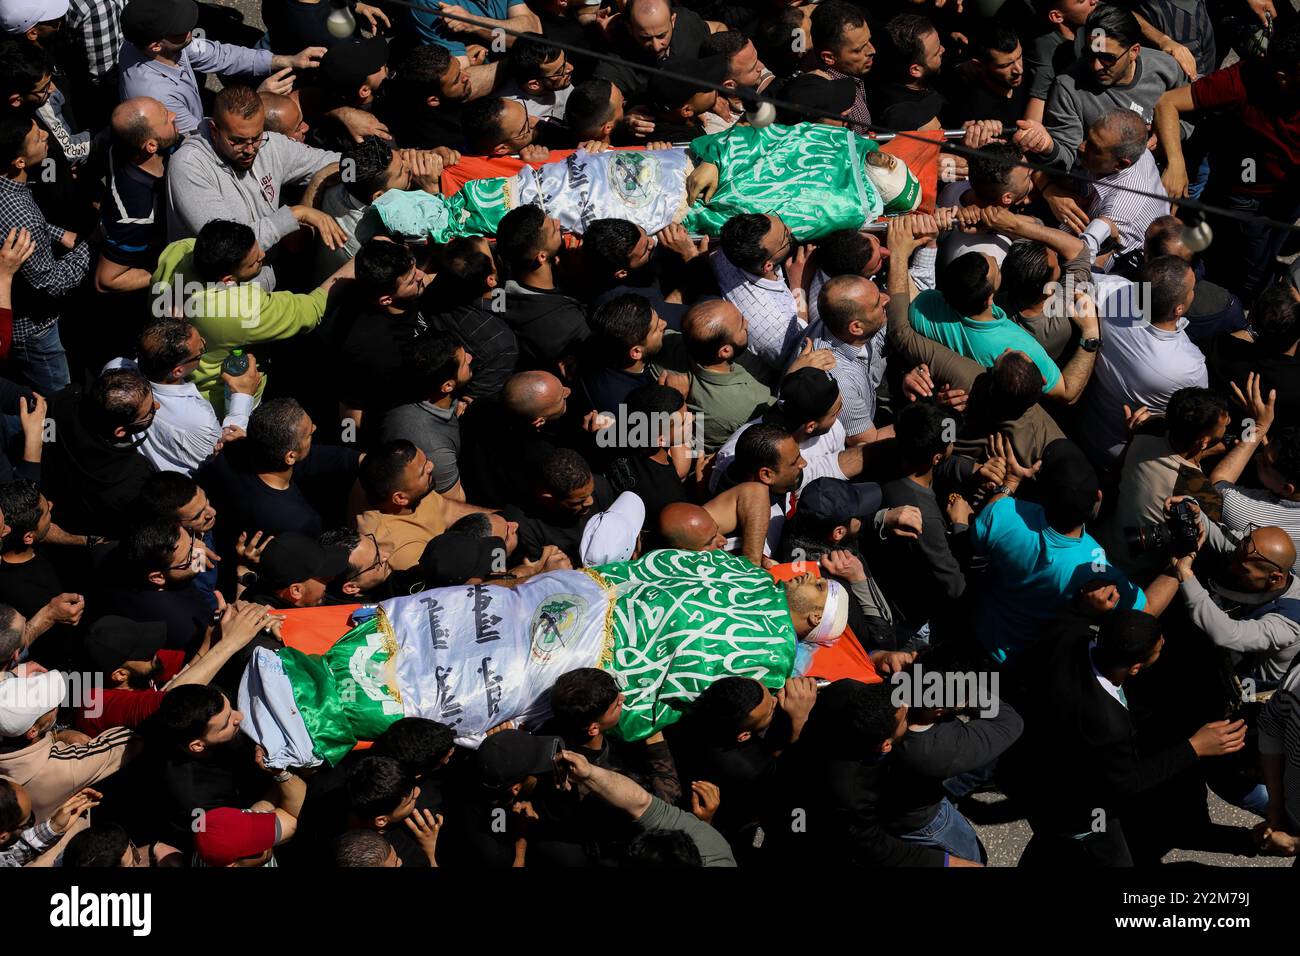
852, 308
1275, 545
650, 25
711, 326
689, 527
142, 120
535, 396
283, 115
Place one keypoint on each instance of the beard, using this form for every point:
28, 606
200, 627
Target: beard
138, 681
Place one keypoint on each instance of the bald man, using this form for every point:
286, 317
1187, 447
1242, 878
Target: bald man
512, 437
284, 116
653, 33
535, 397
144, 134
1254, 610
851, 323
721, 394
736, 521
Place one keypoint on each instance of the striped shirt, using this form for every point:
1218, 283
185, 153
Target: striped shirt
1279, 734
858, 371
1131, 213
1244, 507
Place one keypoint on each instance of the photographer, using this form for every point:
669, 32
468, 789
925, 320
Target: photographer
1252, 605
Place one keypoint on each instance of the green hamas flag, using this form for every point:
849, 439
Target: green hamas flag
683, 619
812, 175
472, 657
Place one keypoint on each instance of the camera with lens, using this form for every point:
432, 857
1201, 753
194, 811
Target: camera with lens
1178, 535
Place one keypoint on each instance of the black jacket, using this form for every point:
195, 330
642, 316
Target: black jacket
1081, 750
90, 481
826, 811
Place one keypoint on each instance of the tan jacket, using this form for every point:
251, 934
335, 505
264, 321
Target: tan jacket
51, 772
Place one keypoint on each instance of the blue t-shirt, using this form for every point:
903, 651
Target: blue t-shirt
983, 342
432, 28
1034, 574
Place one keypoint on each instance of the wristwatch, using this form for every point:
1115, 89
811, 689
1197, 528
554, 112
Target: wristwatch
1090, 345
1003, 490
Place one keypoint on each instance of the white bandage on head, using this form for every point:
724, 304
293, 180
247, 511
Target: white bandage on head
835, 615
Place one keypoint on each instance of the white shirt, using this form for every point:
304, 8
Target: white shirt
185, 428
1138, 365
821, 452
775, 329
1131, 213
547, 106
1113, 689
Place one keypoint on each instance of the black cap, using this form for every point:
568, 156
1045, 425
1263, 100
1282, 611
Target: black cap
146, 21
454, 558
833, 501
508, 756
346, 65
815, 92
807, 394
114, 640
292, 558
695, 77
1067, 479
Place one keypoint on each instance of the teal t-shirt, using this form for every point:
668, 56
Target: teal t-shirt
983, 342
1036, 572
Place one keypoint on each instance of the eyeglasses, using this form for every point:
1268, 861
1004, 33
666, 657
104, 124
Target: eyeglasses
379, 559
189, 560
1250, 551
560, 77
257, 142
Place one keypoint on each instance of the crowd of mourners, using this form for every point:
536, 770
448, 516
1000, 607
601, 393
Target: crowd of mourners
1046, 433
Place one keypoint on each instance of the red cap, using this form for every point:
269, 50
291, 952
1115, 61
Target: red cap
229, 835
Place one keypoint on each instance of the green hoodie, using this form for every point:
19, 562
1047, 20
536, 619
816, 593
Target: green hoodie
229, 316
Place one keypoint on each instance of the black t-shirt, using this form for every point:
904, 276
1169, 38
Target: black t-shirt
1230, 359
292, 26
27, 588
369, 347
689, 34
966, 98
564, 531
135, 231
547, 324
227, 776
566, 29
247, 503
897, 107
415, 126
185, 610
654, 483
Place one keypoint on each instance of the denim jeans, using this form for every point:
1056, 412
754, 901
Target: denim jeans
42, 360
951, 832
